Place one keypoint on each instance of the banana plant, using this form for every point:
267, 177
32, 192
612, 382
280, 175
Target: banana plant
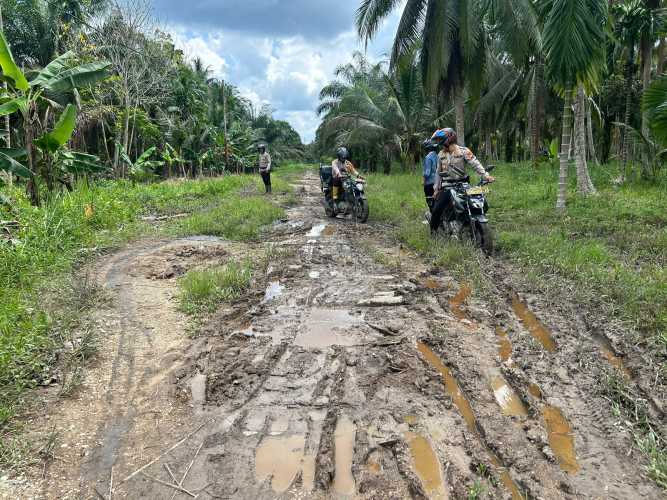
171, 157
53, 86
143, 168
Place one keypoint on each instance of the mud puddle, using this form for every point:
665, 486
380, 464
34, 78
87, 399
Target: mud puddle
561, 439
507, 398
456, 303
610, 355
326, 328
274, 290
463, 405
427, 466
344, 436
316, 231
505, 345
281, 459
534, 325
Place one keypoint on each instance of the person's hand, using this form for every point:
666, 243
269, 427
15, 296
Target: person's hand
436, 193
489, 178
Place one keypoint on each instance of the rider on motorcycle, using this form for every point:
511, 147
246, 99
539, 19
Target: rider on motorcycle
451, 167
341, 167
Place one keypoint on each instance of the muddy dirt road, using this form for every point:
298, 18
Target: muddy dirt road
335, 378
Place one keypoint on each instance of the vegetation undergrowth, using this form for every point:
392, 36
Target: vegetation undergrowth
202, 290
47, 242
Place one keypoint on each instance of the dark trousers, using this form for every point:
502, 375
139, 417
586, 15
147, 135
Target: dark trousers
266, 177
442, 206
428, 193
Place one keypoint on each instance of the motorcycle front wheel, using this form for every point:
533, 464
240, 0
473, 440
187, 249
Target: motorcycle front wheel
483, 237
361, 210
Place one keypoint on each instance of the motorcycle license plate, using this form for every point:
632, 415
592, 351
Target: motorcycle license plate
477, 190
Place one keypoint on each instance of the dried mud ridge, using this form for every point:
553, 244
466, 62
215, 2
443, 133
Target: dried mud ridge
339, 378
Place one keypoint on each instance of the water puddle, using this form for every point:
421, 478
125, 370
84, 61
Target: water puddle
458, 300
410, 419
610, 355
432, 284
505, 346
316, 231
535, 391
281, 459
275, 289
313, 275
507, 398
561, 439
535, 327
427, 466
462, 404
325, 328
344, 452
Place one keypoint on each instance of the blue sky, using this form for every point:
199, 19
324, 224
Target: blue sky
277, 52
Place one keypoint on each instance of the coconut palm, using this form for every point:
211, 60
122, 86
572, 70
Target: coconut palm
454, 37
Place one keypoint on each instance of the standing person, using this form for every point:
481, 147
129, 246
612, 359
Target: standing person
430, 171
452, 167
265, 167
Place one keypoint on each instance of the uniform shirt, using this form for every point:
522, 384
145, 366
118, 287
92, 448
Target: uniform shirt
340, 168
430, 168
264, 162
452, 165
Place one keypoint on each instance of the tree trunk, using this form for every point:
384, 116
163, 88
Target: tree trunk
488, 151
564, 151
584, 183
224, 124
589, 127
629, 70
31, 187
537, 110
647, 62
662, 52
459, 108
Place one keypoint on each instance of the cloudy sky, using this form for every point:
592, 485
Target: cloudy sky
280, 52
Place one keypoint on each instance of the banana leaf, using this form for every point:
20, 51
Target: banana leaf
9, 164
9, 67
79, 76
61, 133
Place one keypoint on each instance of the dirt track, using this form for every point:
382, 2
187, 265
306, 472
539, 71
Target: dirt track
336, 378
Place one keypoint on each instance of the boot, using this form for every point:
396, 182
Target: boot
268, 189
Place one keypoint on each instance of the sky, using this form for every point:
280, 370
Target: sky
277, 52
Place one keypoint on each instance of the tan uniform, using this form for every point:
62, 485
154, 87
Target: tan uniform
452, 165
264, 162
339, 168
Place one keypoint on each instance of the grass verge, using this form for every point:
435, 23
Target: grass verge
203, 290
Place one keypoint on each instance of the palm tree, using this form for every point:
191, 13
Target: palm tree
574, 50
454, 35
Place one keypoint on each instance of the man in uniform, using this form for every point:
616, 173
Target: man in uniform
453, 160
340, 168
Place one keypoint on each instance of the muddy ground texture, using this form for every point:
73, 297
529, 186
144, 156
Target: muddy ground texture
336, 377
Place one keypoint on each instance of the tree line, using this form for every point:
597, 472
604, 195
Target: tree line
96, 88
540, 80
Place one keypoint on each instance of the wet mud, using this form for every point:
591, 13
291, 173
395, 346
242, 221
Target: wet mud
337, 377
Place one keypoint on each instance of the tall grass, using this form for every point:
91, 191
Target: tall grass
202, 290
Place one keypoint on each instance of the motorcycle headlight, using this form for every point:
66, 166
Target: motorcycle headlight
360, 186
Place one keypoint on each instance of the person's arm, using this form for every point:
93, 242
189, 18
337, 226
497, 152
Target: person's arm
350, 166
268, 162
472, 160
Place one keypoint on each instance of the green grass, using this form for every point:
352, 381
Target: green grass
71, 228
614, 244
202, 291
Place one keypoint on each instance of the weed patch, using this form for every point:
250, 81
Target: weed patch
202, 291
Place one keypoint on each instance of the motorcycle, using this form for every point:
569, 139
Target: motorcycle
352, 199
470, 208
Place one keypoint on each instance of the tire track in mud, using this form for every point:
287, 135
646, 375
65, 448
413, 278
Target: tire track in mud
331, 386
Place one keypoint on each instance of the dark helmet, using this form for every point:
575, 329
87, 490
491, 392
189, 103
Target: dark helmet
445, 137
342, 154
261, 147
430, 145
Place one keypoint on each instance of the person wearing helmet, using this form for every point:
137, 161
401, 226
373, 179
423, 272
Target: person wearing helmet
265, 167
430, 170
453, 160
341, 167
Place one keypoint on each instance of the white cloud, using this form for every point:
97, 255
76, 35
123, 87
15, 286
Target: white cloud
286, 72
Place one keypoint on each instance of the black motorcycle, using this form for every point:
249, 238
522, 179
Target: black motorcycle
470, 208
352, 199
